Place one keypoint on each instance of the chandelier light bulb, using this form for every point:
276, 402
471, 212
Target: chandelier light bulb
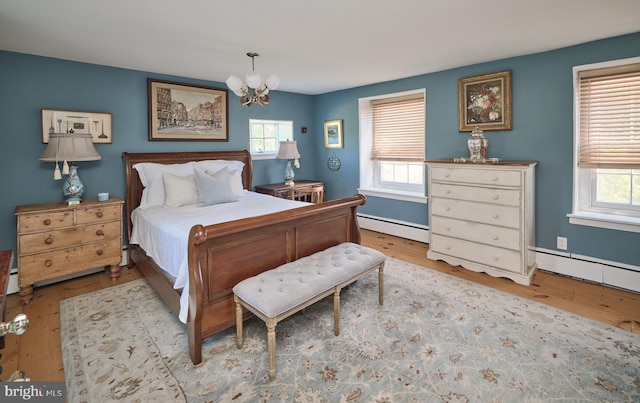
254, 81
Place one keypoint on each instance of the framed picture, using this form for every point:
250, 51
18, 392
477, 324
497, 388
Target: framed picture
333, 137
485, 102
184, 112
98, 124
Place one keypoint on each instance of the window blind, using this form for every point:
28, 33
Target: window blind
609, 117
398, 128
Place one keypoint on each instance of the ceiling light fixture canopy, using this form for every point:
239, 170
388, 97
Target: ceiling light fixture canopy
253, 80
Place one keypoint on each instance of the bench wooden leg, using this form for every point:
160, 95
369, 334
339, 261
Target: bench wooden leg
381, 284
336, 311
239, 341
271, 341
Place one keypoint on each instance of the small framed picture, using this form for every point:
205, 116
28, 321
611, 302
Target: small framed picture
184, 112
97, 124
333, 137
485, 102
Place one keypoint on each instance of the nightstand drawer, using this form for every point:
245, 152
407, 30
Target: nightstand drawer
45, 221
44, 241
43, 266
98, 214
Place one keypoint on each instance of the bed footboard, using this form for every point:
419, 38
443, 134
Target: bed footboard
222, 255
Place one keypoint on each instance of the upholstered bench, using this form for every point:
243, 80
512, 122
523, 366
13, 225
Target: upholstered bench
279, 293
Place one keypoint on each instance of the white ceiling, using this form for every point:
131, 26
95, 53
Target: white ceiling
314, 47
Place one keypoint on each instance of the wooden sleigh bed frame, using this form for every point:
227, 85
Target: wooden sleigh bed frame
221, 255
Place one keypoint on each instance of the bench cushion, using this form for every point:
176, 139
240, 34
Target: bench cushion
278, 290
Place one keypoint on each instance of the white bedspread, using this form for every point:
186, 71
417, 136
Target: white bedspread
163, 232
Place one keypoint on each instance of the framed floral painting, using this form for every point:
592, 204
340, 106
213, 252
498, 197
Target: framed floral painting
485, 102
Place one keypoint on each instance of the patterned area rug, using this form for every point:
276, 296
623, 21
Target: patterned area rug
436, 338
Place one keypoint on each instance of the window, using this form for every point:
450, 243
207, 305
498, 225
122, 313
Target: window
265, 137
392, 133
607, 142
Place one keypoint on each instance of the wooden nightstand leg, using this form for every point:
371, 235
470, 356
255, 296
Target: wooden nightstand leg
26, 294
114, 271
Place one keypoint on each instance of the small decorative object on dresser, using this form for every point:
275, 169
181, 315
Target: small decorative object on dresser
56, 240
482, 216
477, 144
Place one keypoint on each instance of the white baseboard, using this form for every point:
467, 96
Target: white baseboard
609, 273
403, 229
12, 287
605, 272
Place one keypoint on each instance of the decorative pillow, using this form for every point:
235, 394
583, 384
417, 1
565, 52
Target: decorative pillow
179, 190
151, 177
214, 189
235, 169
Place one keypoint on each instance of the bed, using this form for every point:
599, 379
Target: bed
222, 254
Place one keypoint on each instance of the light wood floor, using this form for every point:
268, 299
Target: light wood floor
37, 352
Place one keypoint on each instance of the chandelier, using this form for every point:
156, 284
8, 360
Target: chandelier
260, 88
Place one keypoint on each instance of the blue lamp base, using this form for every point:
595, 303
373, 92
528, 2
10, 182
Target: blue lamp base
288, 174
73, 189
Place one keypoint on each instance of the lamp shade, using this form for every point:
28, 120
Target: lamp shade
288, 150
70, 147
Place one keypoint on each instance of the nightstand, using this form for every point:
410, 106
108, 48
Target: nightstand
55, 240
284, 191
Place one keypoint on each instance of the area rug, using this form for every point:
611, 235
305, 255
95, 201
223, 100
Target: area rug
436, 338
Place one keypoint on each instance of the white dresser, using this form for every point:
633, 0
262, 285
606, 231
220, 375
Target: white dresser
482, 216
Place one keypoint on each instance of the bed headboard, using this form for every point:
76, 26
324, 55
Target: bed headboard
133, 192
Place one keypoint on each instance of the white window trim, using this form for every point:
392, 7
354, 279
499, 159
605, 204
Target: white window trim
582, 177
269, 155
367, 173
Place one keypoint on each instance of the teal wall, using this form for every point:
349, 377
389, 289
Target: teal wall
30, 83
542, 131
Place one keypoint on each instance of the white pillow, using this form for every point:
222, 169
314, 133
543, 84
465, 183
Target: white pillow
151, 177
179, 190
214, 189
235, 170
236, 180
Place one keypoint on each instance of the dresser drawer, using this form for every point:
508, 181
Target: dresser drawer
506, 259
43, 241
44, 221
477, 212
505, 197
484, 176
487, 234
98, 214
43, 266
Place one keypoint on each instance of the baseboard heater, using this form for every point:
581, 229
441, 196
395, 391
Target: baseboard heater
404, 229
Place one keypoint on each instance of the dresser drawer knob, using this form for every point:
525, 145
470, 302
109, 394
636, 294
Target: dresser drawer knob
446, 175
496, 197
99, 214
447, 209
447, 192
49, 240
495, 237
47, 222
448, 247
495, 178
448, 229
48, 263
99, 232
496, 216
99, 252
496, 258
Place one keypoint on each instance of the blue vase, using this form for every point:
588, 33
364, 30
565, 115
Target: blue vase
73, 187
